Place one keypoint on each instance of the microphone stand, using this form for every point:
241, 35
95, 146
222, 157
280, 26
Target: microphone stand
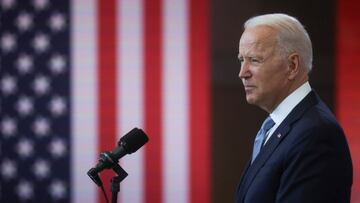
106, 162
115, 188
115, 181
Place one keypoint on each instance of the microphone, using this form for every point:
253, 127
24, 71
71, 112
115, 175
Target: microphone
127, 144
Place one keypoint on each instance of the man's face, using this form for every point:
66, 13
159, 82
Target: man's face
264, 70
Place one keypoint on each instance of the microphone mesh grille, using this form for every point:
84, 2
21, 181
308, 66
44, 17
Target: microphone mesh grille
134, 140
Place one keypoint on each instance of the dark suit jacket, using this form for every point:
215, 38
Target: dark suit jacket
306, 159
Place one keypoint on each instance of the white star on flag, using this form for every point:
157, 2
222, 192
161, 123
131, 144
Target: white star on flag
57, 148
57, 64
41, 169
8, 85
24, 106
40, 4
25, 148
57, 189
57, 106
7, 4
24, 21
8, 127
8, 42
41, 127
41, 85
24, 63
8, 169
25, 190
41, 43
57, 22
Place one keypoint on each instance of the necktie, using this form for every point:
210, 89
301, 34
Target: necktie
259, 139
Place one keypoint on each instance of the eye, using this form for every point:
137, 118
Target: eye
254, 60
241, 60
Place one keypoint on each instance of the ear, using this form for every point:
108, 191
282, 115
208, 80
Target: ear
293, 66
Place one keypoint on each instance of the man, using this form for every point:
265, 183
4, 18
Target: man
300, 153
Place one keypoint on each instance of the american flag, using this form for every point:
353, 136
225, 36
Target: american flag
77, 75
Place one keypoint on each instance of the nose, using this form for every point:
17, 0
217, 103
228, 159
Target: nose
244, 70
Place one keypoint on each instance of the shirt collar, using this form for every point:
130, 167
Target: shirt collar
285, 107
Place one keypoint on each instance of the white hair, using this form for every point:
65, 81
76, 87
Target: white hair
292, 36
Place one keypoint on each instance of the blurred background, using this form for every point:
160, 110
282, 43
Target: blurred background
77, 75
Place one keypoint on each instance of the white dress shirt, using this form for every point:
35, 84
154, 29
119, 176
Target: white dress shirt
285, 107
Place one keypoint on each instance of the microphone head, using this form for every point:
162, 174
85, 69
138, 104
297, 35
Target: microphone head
133, 140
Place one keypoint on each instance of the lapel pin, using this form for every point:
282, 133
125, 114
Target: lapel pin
279, 135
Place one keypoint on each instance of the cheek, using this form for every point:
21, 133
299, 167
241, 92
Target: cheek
267, 83
274, 75
262, 80
274, 85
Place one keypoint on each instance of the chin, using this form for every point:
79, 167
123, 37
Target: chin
250, 99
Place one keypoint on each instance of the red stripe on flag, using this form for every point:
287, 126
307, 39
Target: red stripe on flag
152, 87
347, 87
200, 165
107, 83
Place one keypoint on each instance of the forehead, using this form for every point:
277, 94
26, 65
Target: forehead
259, 38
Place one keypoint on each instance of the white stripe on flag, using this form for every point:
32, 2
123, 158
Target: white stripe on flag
130, 92
175, 100
84, 99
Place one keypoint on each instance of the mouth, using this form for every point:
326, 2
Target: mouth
249, 87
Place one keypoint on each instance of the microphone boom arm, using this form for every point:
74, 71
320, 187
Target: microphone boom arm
106, 162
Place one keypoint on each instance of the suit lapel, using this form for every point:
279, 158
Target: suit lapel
279, 134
